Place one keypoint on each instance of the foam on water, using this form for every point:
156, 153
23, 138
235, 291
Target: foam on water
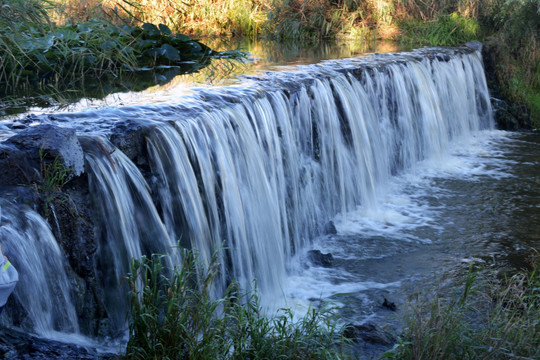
410, 212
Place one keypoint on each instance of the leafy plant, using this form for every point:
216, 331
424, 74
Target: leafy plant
53, 175
199, 17
51, 178
174, 316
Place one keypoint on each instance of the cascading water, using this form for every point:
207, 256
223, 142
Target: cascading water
258, 172
264, 173
44, 291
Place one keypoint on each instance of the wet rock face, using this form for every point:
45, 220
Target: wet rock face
49, 141
511, 117
316, 257
368, 332
17, 345
43, 167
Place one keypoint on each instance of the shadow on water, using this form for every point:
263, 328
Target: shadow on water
59, 94
263, 55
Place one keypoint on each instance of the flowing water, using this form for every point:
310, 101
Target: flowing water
399, 151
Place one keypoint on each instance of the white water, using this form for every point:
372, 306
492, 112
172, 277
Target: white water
411, 216
43, 291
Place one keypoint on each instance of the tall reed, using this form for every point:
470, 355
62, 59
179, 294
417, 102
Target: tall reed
198, 17
489, 319
174, 316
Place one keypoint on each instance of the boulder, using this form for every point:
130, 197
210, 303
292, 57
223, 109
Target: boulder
330, 228
389, 305
17, 345
48, 141
316, 257
368, 332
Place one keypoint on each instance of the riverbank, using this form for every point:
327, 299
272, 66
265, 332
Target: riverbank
483, 314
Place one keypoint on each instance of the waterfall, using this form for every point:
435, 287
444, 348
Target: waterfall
43, 291
262, 172
258, 170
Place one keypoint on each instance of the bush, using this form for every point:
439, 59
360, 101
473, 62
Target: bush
517, 42
174, 316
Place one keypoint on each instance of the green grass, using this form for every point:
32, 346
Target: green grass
173, 315
488, 319
94, 48
42, 63
517, 42
445, 30
93, 39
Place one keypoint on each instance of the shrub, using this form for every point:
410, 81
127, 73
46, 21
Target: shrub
174, 316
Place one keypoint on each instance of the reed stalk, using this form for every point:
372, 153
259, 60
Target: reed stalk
174, 316
490, 319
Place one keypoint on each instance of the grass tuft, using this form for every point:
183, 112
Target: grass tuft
489, 319
174, 316
445, 30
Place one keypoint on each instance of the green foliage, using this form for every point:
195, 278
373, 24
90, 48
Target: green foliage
517, 43
301, 20
446, 30
51, 178
174, 316
200, 17
93, 48
489, 320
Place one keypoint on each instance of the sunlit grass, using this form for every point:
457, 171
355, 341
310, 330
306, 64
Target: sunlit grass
446, 30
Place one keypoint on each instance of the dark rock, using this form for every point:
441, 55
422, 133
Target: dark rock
318, 258
368, 332
476, 45
130, 137
49, 141
389, 305
510, 117
68, 210
18, 345
17, 167
18, 125
330, 228
443, 57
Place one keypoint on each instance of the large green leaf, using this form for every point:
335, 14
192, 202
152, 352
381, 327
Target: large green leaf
165, 29
149, 27
166, 51
108, 45
144, 44
181, 37
170, 52
150, 30
67, 34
